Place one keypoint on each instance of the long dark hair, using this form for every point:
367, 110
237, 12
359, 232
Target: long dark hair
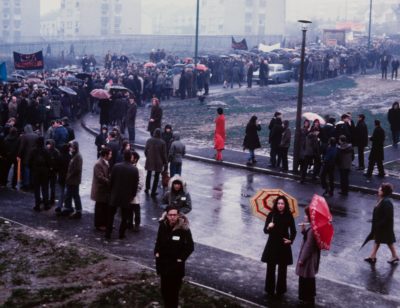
253, 120
286, 211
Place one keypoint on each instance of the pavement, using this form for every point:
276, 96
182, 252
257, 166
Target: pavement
228, 238
238, 159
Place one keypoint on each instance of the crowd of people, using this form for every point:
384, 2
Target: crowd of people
38, 144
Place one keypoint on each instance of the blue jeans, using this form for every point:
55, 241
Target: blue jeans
26, 177
175, 168
72, 193
251, 155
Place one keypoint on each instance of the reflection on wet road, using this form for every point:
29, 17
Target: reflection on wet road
221, 218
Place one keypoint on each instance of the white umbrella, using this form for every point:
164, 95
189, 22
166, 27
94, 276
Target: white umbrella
313, 116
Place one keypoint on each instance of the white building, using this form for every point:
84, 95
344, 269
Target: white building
225, 17
19, 20
93, 18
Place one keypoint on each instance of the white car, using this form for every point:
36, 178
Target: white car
277, 74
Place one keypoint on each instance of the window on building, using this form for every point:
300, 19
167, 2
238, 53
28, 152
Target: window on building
118, 8
104, 8
261, 30
247, 29
17, 2
6, 3
117, 22
249, 2
17, 10
263, 3
77, 4
63, 4
5, 24
220, 27
17, 34
248, 18
261, 19
17, 23
6, 33
6, 10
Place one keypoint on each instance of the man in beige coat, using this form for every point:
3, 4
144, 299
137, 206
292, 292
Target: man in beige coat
101, 188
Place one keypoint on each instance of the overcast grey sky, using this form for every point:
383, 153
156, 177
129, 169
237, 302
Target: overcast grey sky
296, 9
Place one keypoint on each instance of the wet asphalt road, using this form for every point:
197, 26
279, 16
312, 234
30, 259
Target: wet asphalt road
230, 240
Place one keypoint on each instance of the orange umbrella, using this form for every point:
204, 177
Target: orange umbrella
263, 201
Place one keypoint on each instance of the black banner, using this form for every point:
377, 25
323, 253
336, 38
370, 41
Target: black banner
242, 45
33, 61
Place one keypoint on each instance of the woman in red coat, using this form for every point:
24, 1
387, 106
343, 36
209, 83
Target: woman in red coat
219, 135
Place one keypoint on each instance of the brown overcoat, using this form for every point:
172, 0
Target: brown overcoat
101, 182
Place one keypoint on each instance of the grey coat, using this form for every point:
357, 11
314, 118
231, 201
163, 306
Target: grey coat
156, 154
177, 150
27, 144
286, 135
309, 256
345, 156
101, 182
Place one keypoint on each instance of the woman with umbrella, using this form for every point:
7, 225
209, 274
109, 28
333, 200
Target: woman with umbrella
382, 225
308, 262
277, 252
251, 140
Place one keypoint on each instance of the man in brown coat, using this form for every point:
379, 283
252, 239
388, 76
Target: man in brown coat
156, 160
101, 188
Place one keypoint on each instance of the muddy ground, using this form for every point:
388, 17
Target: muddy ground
356, 94
39, 269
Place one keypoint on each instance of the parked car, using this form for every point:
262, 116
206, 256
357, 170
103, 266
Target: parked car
277, 74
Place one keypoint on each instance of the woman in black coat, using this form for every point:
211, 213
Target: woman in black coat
155, 116
394, 120
251, 140
382, 225
282, 232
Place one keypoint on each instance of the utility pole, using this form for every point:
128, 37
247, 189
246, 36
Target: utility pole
297, 138
370, 21
196, 48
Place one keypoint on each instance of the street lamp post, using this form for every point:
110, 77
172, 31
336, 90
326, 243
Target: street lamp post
370, 21
297, 138
196, 48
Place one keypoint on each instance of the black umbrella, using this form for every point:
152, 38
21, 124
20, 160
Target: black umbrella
19, 90
73, 79
12, 79
53, 78
83, 76
67, 90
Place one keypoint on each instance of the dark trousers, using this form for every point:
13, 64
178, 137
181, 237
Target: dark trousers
41, 188
249, 81
304, 163
100, 214
52, 184
155, 181
5, 166
72, 192
131, 132
371, 165
206, 88
328, 171
361, 163
395, 136
111, 211
307, 289
270, 279
170, 286
394, 73
134, 211
274, 155
283, 157
344, 180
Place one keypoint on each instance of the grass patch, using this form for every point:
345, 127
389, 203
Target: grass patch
66, 259
28, 298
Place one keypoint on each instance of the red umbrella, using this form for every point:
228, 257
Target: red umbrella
321, 222
201, 67
100, 94
149, 64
